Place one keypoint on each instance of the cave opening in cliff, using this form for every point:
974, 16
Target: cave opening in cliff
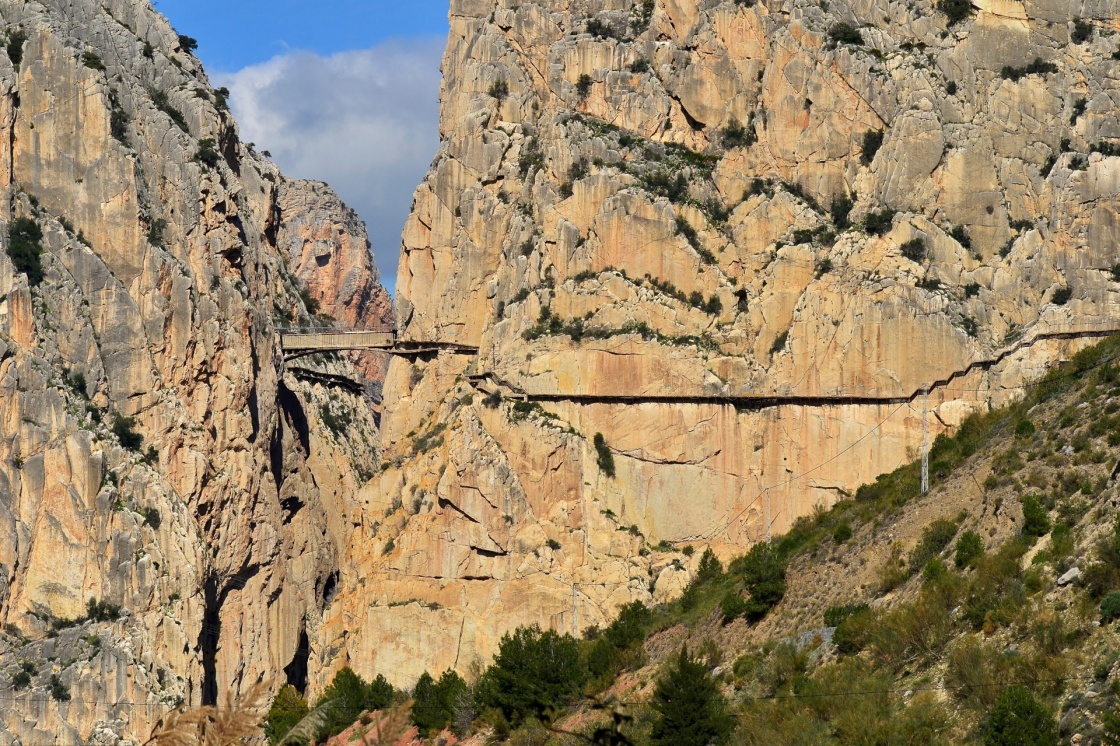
296, 671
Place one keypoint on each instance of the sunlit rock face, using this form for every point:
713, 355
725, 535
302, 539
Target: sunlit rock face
636, 200
155, 454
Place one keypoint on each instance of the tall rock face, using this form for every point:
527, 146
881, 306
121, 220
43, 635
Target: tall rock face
174, 500
329, 251
711, 254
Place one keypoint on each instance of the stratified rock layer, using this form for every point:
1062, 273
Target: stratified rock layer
657, 211
155, 454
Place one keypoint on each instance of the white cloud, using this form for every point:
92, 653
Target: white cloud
366, 122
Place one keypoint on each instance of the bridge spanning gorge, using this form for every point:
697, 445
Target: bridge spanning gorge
297, 343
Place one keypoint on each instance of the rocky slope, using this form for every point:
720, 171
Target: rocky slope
688, 202
173, 501
902, 618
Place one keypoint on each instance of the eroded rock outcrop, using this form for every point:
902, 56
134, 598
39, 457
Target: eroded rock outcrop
156, 458
328, 250
688, 203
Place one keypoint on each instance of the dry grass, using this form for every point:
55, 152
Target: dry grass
229, 725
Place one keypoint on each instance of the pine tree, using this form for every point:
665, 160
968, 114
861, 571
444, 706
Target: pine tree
1018, 719
691, 711
434, 703
534, 674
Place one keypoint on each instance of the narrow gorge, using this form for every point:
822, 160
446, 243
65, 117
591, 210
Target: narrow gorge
681, 272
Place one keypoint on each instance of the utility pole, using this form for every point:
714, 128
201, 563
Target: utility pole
768, 538
925, 441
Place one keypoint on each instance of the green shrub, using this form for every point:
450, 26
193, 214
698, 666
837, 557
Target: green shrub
879, 223
1061, 296
499, 89
1038, 67
151, 517
309, 301
842, 533
779, 343
1024, 428
738, 136
834, 616
1082, 31
207, 153
163, 103
24, 249
434, 703
970, 547
674, 188
956, 10
640, 16
603, 456
763, 570
1018, 719
619, 645
118, 120
125, 430
102, 611
733, 606
1036, 522
92, 61
872, 141
351, 696
1061, 541
188, 43
1110, 607
16, 40
854, 631
935, 538
288, 709
583, 86
915, 250
710, 568
534, 674
840, 210
690, 710
960, 234
934, 569
845, 33
21, 680
59, 691
601, 29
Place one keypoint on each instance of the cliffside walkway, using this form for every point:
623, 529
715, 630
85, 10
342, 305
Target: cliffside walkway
297, 343
490, 383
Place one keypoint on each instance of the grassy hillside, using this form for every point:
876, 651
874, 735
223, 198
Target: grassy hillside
892, 618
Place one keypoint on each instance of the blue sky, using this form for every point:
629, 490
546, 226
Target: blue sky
234, 34
346, 93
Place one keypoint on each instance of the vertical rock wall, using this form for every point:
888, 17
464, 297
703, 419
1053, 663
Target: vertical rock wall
155, 454
685, 202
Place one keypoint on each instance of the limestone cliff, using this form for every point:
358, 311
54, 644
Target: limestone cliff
328, 250
156, 456
736, 239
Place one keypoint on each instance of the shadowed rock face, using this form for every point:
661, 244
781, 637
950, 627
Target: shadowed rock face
154, 454
645, 212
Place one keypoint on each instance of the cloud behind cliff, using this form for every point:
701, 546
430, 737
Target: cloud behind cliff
366, 122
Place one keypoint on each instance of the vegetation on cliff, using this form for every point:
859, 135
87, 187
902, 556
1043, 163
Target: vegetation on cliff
967, 636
